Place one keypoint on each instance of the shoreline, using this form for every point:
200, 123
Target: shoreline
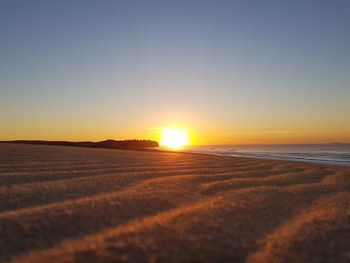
327, 154
311, 162
316, 162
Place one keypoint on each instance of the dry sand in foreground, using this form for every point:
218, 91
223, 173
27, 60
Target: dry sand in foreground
66, 204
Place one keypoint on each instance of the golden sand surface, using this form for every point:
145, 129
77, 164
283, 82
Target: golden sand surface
67, 204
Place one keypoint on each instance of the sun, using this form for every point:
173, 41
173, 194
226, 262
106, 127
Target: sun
174, 138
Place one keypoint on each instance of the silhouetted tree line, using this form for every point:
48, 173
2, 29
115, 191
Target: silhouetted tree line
109, 144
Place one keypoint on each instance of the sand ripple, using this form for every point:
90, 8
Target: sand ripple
66, 204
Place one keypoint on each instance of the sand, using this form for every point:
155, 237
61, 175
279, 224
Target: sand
67, 204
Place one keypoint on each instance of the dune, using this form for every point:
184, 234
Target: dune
69, 204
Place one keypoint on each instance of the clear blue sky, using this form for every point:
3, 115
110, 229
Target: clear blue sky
232, 71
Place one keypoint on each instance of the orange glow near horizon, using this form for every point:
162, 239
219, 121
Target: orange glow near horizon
174, 138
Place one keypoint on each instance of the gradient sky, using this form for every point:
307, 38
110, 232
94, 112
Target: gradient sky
228, 71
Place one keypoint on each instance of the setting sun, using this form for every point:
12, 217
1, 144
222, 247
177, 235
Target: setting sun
174, 138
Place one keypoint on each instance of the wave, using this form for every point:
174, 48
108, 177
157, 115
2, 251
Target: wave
324, 154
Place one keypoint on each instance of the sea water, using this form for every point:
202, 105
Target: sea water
338, 154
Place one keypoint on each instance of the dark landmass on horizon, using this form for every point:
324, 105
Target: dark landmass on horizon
107, 144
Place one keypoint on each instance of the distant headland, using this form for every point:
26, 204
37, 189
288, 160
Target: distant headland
108, 144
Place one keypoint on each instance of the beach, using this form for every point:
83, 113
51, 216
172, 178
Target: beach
70, 204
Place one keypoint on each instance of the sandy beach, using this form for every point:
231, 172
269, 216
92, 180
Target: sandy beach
68, 204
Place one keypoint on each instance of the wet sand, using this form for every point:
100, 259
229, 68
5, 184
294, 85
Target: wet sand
67, 204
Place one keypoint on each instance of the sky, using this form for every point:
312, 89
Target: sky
229, 72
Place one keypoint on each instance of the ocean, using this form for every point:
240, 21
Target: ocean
337, 154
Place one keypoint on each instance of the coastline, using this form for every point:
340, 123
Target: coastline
196, 150
67, 204
329, 154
